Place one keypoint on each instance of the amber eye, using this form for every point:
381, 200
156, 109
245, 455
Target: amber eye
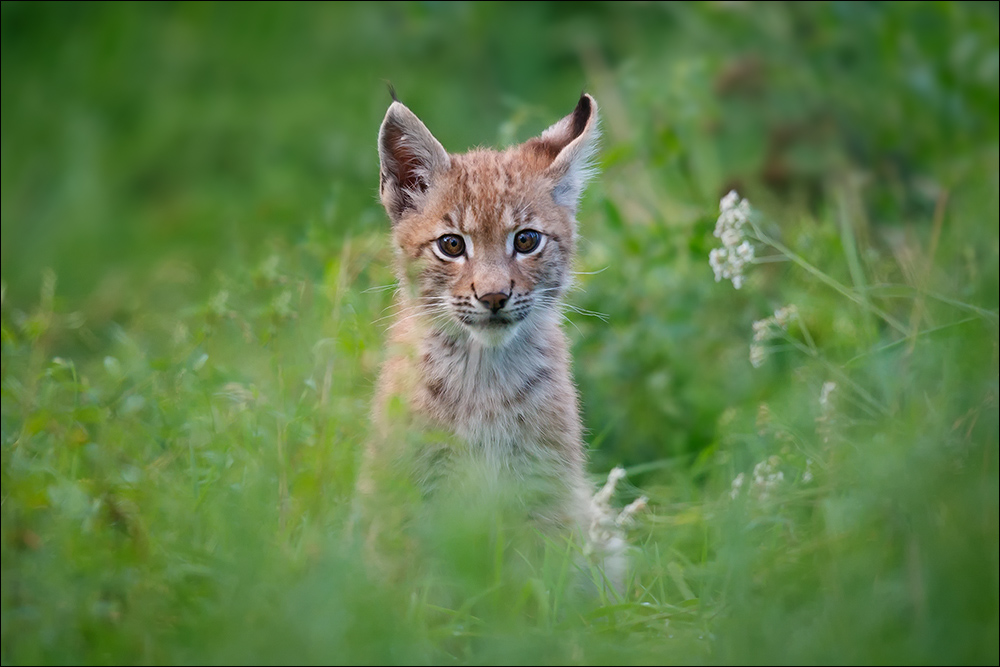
526, 240
451, 245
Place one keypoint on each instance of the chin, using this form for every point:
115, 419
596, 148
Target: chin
494, 335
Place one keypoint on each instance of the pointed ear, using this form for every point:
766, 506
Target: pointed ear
570, 145
410, 159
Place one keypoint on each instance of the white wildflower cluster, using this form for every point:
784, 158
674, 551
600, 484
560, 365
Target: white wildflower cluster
736, 252
181, 334
218, 305
824, 395
765, 478
627, 516
737, 485
602, 498
768, 328
604, 533
824, 422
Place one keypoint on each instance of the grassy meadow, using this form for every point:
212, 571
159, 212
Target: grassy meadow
196, 275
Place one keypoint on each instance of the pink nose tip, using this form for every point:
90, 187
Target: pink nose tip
494, 301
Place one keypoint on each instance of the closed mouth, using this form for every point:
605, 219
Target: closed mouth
488, 322
495, 322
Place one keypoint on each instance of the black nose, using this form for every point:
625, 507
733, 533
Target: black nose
494, 301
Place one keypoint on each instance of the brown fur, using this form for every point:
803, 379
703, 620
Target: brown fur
497, 384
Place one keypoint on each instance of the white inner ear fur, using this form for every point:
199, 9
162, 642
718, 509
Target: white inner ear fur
409, 154
574, 166
415, 136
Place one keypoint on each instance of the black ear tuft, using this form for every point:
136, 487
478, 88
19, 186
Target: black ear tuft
581, 114
567, 149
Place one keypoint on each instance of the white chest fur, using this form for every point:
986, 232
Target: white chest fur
507, 403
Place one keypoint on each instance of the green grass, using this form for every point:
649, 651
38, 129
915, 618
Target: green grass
193, 260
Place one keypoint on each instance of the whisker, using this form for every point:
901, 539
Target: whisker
604, 317
407, 311
563, 315
380, 288
590, 273
432, 315
408, 304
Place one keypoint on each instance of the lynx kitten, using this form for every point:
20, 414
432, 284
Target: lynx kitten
484, 242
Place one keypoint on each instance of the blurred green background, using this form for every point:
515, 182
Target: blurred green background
192, 262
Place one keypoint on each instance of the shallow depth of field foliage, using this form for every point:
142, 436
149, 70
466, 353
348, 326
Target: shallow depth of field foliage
194, 272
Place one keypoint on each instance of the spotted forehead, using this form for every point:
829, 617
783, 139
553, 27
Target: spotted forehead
490, 193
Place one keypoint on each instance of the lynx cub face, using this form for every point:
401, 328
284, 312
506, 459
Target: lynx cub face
485, 238
484, 243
